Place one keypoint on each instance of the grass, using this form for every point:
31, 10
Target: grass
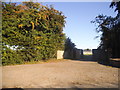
40, 62
88, 54
45, 61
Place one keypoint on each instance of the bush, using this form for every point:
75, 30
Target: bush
35, 30
10, 57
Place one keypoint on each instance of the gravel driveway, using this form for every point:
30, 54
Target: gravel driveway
64, 74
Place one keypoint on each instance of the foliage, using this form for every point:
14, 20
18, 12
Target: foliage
69, 45
10, 57
110, 28
116, 5
69, 49
87, 49
34, 30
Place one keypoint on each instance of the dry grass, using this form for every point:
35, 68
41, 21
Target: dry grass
39, 62
45, 61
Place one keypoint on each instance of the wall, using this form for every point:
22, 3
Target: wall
70, 54
78, 54
100, 55
60, 54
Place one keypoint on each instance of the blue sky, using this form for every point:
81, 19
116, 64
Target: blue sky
79, 15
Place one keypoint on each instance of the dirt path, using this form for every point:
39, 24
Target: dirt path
64, 74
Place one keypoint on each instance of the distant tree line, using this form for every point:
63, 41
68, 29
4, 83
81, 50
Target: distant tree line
110, 28
31, 32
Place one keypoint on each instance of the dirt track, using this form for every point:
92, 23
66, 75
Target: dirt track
64, 74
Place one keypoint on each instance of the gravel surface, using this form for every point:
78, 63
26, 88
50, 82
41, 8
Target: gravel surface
64, 74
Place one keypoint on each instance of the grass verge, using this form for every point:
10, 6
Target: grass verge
40, 62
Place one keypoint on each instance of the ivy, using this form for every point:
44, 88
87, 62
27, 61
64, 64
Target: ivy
35, 31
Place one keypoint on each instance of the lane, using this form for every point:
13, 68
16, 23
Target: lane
64, 74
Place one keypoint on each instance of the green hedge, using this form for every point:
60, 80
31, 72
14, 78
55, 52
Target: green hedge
36, 32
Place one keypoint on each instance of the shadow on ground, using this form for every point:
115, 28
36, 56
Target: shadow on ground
86, 58
112, 63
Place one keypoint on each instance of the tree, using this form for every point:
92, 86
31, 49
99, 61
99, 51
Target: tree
36, 31
115, 4
87, 49
69, 45
110, 28
69, 49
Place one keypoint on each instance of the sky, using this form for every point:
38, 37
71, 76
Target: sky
78, 25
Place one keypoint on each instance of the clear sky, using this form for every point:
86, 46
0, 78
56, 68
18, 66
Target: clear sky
79, 15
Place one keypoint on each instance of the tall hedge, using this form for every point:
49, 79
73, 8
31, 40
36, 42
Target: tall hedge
31, 31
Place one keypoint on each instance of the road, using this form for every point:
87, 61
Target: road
63, 74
